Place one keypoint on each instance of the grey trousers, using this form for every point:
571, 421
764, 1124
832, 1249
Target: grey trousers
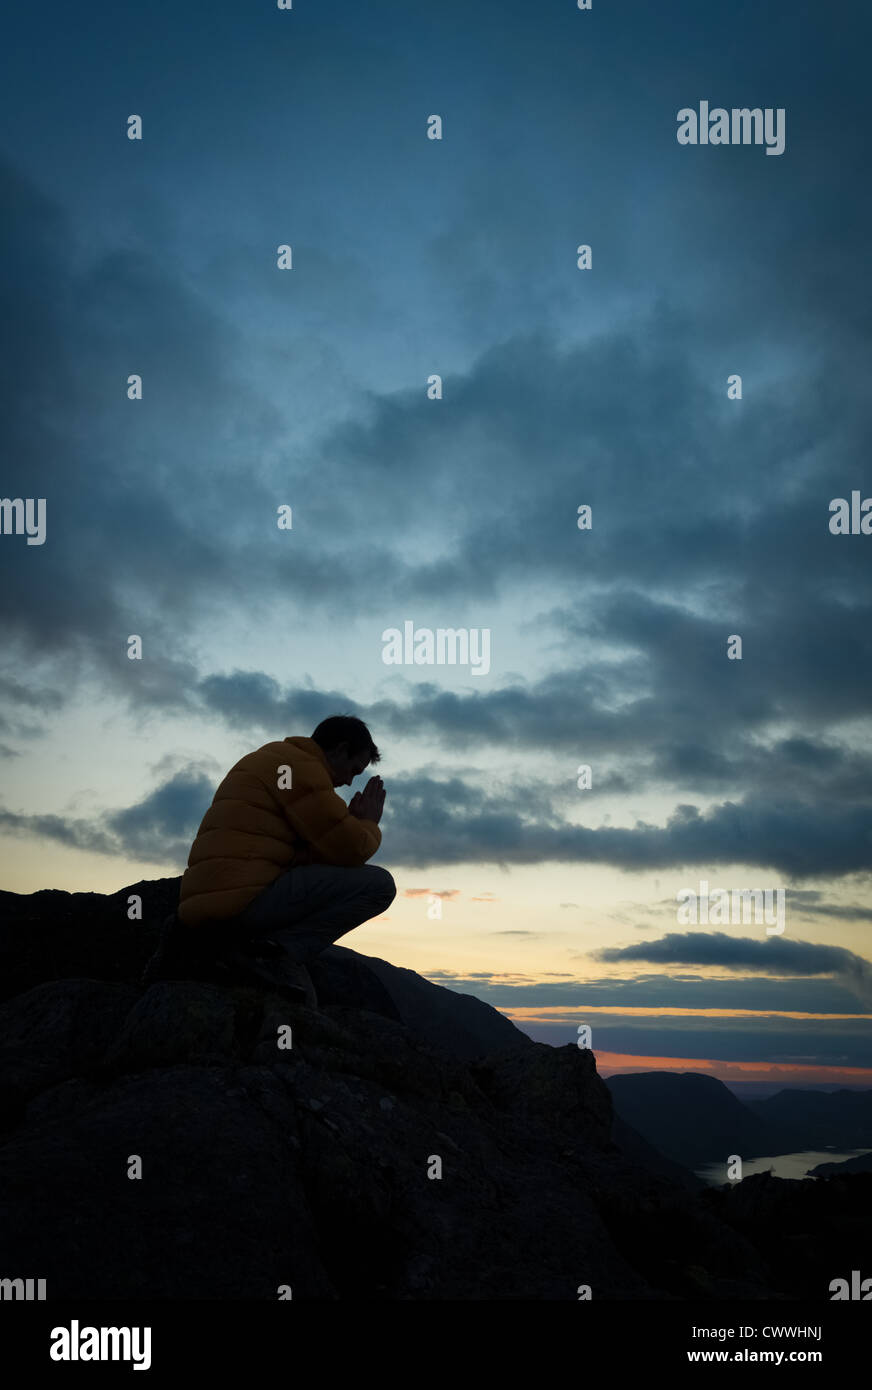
306, 909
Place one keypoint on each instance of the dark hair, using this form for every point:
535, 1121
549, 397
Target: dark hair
346, 728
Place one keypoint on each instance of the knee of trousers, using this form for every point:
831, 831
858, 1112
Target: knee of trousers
384, 890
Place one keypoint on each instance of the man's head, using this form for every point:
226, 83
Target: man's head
347, 746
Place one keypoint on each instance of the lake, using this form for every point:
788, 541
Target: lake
794, 1165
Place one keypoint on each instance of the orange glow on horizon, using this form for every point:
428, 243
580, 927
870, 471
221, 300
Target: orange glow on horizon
792, 1073
550, 1013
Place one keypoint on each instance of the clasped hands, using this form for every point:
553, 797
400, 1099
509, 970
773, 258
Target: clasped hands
369, 804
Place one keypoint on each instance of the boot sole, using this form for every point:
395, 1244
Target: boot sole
246, 968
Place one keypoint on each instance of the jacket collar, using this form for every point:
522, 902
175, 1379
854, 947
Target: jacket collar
308, 745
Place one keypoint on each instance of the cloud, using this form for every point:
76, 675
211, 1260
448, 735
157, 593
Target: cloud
74, 833
430, 822
431, 893
709, 516
448, 822
158, 829
733, 752
812, 903
675, 562
771, 955
815, 995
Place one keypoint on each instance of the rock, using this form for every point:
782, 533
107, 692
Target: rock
53, 934
410, 1143
312, 1169
174, 1021
343, 977
811, 1231
456, 1023
219, 1211
58, 1030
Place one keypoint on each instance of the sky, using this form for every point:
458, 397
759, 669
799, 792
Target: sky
310, 386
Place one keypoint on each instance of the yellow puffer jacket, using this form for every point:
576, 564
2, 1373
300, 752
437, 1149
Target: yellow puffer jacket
255, 829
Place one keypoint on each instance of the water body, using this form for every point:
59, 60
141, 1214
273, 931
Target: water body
795, 1165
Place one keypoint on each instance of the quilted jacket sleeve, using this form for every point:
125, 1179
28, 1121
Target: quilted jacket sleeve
323, 820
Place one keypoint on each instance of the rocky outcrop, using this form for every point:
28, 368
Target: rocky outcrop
54, 934
456, 1023
202, 1140
329, 1150
812, 1232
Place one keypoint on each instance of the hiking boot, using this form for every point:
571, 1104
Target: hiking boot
265, 962
179, 953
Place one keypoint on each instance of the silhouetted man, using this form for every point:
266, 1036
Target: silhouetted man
279, 861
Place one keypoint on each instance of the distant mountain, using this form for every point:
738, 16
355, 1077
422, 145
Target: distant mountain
691, 1118
631, 1143
818, 1119
862, 1163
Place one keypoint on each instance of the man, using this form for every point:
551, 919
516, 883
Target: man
279, 861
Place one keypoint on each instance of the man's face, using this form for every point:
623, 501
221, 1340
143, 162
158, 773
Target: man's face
345, 766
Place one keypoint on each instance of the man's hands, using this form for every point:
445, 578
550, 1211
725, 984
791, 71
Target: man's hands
369, 804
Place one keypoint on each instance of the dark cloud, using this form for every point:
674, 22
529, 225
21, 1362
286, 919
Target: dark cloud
157, 827
430, 822
775, 955
664, 541
709, 516
74, 833
757, 829
157, 830
812, 903
677, 989
433, 822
